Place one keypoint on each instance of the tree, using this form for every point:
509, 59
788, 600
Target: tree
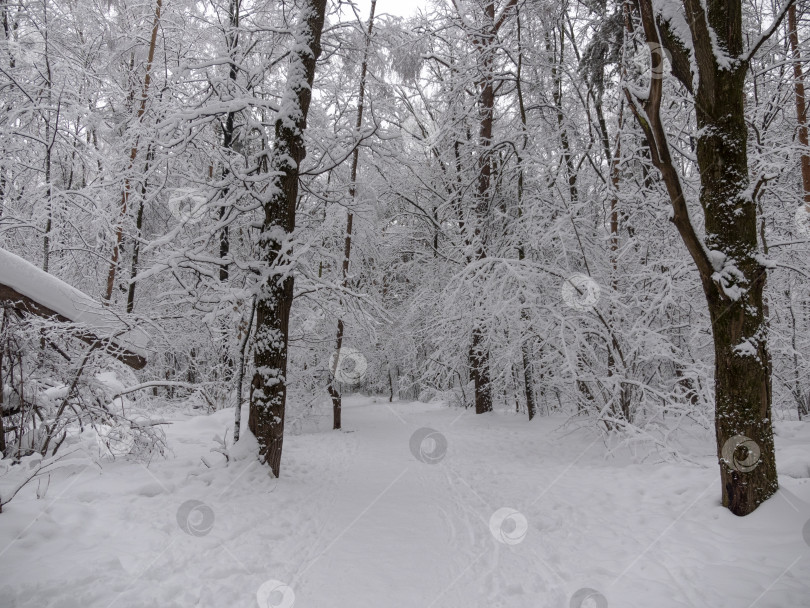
731, 268
801, 101
267, 405
119, 231
334, 393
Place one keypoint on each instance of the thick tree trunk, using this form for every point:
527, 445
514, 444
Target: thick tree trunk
268, 400
479, 370
742, 360
728, 259
486, 43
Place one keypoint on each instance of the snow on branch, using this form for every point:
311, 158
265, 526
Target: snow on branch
34, 291
769, 32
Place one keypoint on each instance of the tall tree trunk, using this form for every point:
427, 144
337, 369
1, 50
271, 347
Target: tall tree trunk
228, 132
484, 41
136, 243
803, 399
556, 94
50, 140
801, 102
268, 401
133, 154
334, 393
728, 259
46, 241
528, 376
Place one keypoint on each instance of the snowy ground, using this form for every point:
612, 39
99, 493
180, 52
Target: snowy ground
357, 520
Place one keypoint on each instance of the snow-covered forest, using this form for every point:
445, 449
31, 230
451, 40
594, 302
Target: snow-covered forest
465, 303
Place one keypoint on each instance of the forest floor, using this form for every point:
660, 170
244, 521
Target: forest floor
357, 520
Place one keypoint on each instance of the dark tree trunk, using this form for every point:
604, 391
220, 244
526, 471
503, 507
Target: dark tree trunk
228, 131
240, 377
479, 370
268, 400
528, 376
3, 329
334, 393
557, 94
801, 102
727, 259
332, 389
133, 154
136, 242
742, 379
485, 42
803, 400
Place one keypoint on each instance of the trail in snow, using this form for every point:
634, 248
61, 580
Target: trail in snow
357, 520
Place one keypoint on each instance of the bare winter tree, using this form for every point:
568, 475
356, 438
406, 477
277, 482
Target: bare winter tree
332, 388
266, 419
732, 270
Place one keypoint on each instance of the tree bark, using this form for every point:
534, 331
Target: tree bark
727, 259
240, 378
133, 154
136, 244
3, 330
50, 140
528, 376
484, 41
228, 133
268, 401
801, 102
556, 95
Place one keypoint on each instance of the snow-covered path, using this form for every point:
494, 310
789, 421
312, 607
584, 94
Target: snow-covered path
357, 520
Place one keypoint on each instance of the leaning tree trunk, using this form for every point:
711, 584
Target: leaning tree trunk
727, 259
268, 400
